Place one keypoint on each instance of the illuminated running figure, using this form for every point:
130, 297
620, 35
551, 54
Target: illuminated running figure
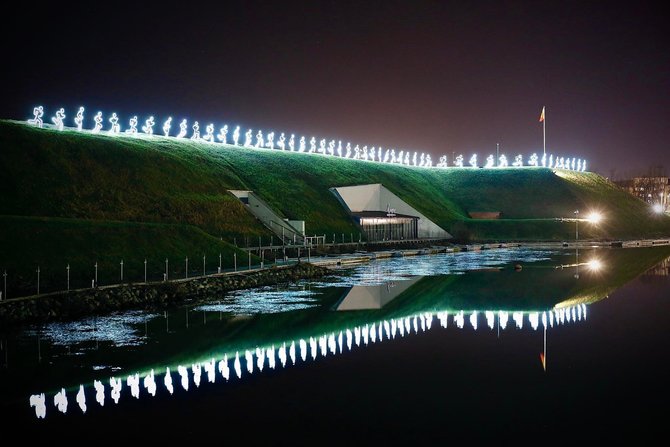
322, 146
407, 158
38, 113
348, 153
490, 162
573, 164
291, 143
429, 161
357, 153
401, 157
281, 144
473, 161
236, 135
443, 162
302, 144
98, 122
459, 161
331, 147
339, 148
271, 140
422, 159
579, 165
365, 153
372, 153
167, 125
133, 125
79, 119
544, 160
223, 134
392, 160
248, 137
584, 166
148, 127
551, 160
502, 161
183, 126
114, 121
312, 145
58, 119
387, 154
259, 139
518, 161
196, 131
533, 160
209, 133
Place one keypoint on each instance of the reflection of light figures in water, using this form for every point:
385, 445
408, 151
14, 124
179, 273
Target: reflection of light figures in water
321, 344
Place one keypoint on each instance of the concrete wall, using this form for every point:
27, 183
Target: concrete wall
268, 217
376, 197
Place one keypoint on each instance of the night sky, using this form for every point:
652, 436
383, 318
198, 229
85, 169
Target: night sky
440, 77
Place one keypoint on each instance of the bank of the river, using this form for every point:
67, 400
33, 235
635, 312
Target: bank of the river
86, 302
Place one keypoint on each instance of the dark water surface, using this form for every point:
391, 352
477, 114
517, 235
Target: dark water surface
436, 348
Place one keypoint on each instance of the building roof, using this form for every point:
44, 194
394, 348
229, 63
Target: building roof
381, 214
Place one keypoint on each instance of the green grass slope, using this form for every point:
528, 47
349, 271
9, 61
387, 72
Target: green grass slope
81, 175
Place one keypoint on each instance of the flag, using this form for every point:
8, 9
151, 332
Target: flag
542, 114
543, 359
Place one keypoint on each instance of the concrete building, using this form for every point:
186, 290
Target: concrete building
384, 216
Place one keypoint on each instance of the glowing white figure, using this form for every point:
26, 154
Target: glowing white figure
544, 319
422, 320
133, 381
357, 152
58, 119
281, 353
502, 161
533, 160
115, 392
490, 162
270, 354
38, 113
223, 134
99, 392
406, 158
339, 148
473, 320
116, 127
473, 161
260, 141
414, 159
365, 153
196, 131
518, 161
551, 319
347, 154
183, 126
236, 136
429, 161
350, 337
442, 163
150, 383
357, 336
271, 140
312, 145
260, 358
551, 160
60, 401
183, 372
98, 122
574, 163
340, 344
407, 325
291, 143
81, 399
392, 157
223, 368
148, 127
237, 366
459, 319
291, 352
168, 381
302, 144
312, 347
490, 319
579, 165
250, 361
518, 319
459, 161
209, 133
387, 329
39, 402
503, 318
197, 372
248, 137
561, 163
443, 317
373, 333
303, 349
79, 119
401, 157
584, 166
210, 369
534, 320
167, 125
281, 143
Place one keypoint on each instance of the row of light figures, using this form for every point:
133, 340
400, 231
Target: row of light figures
368, 333
402, 157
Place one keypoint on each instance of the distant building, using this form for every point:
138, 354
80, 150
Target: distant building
653, 190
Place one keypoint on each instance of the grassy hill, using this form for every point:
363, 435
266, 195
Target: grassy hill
87, 177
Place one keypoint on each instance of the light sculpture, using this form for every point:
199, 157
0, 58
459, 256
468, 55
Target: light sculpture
473, 161
148, 127
533, 160
223, 134
518, 161
459, 161
322, 146
331, 147
260, 141
209, 133
98, 122
281, 144
348, 153
312, 145
339, 148
79, 119
38, 113
301, 144
167, 125
58, 119
182, 128
502, 161
489, 162
248, 137
116, 127
196, 131
236, 136
291, 143
271, 140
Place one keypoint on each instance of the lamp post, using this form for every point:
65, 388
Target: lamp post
219, 262
96, 274
186, 267
576, 244
166, 269
145, 271
203, 265
121, 270
68, 277
38, 279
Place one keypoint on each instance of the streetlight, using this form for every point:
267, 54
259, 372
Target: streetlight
38, 279
96, 274
121, 270
145, 271
186, 267
203, 265
657, 208
166, 269
68, 277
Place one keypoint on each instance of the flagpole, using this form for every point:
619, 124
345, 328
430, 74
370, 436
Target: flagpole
544, 132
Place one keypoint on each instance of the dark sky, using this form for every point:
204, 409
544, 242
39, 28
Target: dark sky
439, 77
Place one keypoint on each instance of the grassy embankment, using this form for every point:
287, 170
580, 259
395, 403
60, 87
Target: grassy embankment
97, 179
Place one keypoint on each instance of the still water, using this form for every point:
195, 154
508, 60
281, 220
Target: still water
441, 347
